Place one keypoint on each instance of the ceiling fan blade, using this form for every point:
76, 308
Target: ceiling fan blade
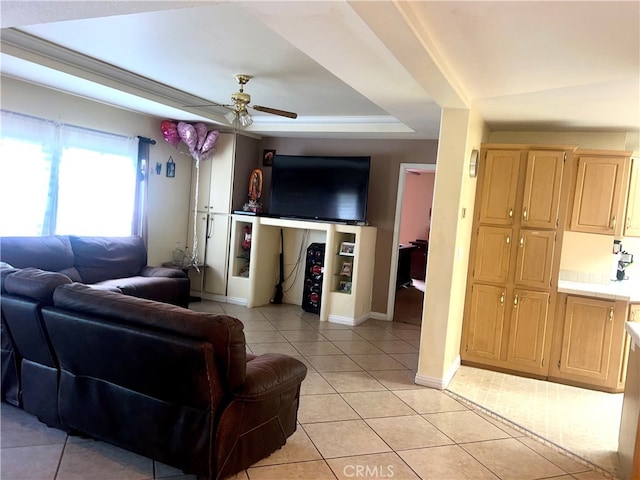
209, 105
275, 111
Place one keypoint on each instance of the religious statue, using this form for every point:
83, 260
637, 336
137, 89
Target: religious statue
255, 192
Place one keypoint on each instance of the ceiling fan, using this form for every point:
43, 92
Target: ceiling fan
241, 101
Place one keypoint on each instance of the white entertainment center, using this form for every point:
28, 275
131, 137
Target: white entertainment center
348, 265
229, 271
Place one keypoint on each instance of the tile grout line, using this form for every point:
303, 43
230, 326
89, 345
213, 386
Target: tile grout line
533, 435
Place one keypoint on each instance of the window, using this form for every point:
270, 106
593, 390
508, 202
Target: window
62, 179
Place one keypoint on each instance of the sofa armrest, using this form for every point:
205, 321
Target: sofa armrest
270, 374
162, 272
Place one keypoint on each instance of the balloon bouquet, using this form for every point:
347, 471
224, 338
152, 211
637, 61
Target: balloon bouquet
201, 143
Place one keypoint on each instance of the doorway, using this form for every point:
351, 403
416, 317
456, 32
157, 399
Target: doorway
411, 243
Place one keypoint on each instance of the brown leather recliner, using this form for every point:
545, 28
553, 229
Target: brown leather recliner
169, 383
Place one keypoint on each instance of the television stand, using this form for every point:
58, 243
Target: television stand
348, 265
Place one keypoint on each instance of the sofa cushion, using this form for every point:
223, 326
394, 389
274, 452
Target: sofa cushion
160, 289
51, 253
35, 283
223, 332
104, 258
5, 271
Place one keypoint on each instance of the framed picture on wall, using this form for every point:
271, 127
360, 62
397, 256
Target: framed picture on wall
267, 157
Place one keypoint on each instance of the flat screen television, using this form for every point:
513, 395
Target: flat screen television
333, 189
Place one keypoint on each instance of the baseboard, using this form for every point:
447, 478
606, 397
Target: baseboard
214, 297
351, 322
439, 383
380, 316
237, 301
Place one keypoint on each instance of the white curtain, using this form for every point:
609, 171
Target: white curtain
64, 179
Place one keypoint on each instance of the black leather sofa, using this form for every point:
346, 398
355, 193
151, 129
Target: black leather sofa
111, 261
165, 382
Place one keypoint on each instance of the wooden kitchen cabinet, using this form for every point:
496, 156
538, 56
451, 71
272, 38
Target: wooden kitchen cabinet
493, 254
633, 316
632, 223
541, 200
588, 342
529, 336
534, 258
500, 187
510, 300
600, 192
485, 323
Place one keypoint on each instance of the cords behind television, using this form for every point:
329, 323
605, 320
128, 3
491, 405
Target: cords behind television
298, 266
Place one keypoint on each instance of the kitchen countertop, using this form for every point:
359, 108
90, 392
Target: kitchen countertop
626, 290
633, 329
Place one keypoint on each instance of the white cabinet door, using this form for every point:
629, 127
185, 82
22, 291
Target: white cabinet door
201, 201
221, 177
217, 254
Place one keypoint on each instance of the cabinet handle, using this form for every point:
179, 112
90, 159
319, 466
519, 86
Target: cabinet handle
511, 213
502, 299
210, 227
614, 221
524, 214
515, 300
628, 223
508, 240
522, 240
611, 314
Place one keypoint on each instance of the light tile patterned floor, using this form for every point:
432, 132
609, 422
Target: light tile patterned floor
361, 416
584, 422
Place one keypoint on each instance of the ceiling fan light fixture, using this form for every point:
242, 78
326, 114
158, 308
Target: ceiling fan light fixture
244, 118
231, 116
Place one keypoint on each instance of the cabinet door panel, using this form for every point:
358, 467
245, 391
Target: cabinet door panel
197, 277
535, 258
587, 338
528, 330
499, 187
632, 224
542, 189
221, 165
493, 252
599, 188
217, 254
486, 322
203, 177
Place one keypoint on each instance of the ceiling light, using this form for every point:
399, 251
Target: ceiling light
245, 118
231, 116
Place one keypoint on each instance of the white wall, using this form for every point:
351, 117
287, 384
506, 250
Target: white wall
461, 131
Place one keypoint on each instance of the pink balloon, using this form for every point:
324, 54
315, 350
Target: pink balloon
188, 135
170, 132
210, 142
201, 130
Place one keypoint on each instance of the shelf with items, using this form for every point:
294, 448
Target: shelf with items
242, 257
343, 264
348, 303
